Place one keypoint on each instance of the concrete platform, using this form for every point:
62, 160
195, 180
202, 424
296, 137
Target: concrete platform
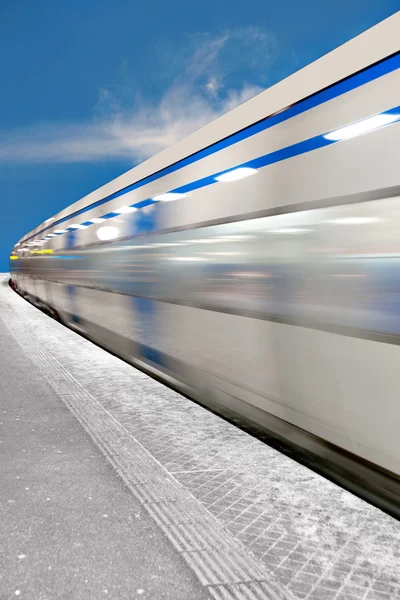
69, 526
242, 520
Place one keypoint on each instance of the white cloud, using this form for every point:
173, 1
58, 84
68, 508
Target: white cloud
213, 86
130, 127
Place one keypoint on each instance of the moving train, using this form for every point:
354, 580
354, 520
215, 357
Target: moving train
255, 265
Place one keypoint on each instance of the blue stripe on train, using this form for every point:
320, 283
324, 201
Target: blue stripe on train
353, 82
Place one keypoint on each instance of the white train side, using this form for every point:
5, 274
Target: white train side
256, 265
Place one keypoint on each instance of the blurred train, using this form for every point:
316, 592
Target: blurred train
255, 265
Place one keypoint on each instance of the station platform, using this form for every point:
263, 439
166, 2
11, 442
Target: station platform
115, 486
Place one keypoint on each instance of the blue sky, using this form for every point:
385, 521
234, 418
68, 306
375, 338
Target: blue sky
92, 88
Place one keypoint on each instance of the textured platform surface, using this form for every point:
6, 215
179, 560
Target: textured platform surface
69, 527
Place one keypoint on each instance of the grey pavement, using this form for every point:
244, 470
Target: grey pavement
215, 491
69, 526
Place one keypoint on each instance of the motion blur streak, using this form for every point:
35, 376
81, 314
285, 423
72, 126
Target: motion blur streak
275, 296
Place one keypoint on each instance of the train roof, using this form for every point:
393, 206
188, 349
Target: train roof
370, 47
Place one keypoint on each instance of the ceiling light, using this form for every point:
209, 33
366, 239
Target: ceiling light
60, 230
168, 196
236, 174
107, 233
97, 220
51, 235
51, 219
361, 127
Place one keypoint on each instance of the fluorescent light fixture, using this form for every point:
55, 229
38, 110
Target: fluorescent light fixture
97, 220
60, 230
236, 174
361, 127
125, 209
169, 196
52, 235
356, 220
107, 233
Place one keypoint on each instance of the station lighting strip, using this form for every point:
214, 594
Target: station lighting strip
241, 171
